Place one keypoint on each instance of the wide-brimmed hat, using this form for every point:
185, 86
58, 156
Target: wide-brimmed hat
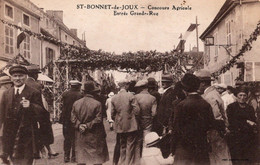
141, 83
190, 82
203, 75
151, 139
5, 80
167, 78
75, 82
18, 69
33, 69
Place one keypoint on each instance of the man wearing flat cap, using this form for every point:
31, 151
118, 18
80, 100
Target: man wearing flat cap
68, 99
147, 105
21, 107
90, 137
219, 146
165, 105
125, 113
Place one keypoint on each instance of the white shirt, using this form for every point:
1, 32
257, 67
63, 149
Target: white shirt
227, 99
20, 89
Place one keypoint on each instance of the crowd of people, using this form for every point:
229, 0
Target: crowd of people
193, 121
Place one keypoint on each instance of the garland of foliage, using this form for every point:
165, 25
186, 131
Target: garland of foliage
247, 46
85, 58
82, 57
140, 61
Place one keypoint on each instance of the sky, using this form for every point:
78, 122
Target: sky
120, 34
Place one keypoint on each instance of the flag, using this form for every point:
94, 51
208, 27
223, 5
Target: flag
192, 27
189, 30
20, 36
20, 39
183, 38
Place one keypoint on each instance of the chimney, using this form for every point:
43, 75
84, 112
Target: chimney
56, 14
74, 31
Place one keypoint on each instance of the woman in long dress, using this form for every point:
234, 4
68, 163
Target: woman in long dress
243, 132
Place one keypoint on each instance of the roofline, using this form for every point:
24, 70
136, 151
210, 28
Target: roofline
218, 18
67, 30
222, 14
60, 24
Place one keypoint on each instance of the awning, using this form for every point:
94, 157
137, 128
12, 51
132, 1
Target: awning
42, 77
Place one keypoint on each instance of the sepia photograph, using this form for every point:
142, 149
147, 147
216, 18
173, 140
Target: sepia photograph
129, 82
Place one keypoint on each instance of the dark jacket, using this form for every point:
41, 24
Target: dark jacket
46, 132
91, 145
193, 118
243, 137
68, 98
164, 110
33, 83
20, 125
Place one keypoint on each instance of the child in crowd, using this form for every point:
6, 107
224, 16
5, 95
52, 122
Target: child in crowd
151, 152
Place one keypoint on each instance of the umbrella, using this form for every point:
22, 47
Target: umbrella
42, 77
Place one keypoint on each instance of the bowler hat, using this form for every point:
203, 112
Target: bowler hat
141, 83
203, 74
151, 139
89, 87
74, 82
5, 80
190, 82
33, 68
151, 82
167, 78
18, 69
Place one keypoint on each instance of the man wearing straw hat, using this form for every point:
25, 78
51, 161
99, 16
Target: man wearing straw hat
21, 108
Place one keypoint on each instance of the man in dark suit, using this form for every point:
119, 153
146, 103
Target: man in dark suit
193, 117
20, 108
68, 98
165, 105
45, 123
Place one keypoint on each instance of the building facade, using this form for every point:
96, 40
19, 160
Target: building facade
25, 14
234, 23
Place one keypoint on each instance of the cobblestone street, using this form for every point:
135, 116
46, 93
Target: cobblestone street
58, 147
